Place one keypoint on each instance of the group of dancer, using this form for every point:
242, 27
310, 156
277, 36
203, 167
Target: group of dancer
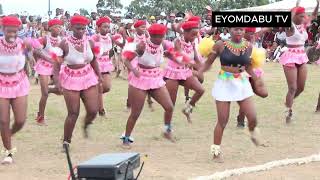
80, 68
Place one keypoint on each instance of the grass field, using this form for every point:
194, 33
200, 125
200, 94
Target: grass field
39, 148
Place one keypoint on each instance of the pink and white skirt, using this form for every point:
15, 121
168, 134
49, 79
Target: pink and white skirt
176, 71
78, 79
13, 86
105, 64
294, 56
149, 79
44, 68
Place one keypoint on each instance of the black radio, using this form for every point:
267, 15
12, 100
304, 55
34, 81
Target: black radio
115, 166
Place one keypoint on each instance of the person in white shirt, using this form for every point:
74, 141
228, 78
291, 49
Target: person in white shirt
280, 36
162, 19
225, 35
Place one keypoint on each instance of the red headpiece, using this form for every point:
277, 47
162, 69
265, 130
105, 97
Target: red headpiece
139, 23
250, 29
103, 20
298, 10
11, 21
157, 29
190, 25
195, 18
79, 20
53, 22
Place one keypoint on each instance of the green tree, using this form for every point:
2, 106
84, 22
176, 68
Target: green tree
1, 11
155, 7
105, 7
84, 12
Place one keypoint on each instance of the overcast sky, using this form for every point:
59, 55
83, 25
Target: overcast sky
40, 7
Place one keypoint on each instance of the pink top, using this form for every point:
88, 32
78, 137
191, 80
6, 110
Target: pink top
12, 59
299, 37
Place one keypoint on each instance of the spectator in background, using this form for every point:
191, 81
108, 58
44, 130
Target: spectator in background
278, 52
162, 19
268, 38
67, 15
225, 36
153, 20
171, 33
310, 40
216, 36
280, 36
23, 31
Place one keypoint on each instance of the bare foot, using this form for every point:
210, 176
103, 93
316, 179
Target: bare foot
7, 160
218, 158
169, 136
126, 145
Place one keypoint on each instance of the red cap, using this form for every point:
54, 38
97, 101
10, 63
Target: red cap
298, 10
195, 18
53, 22
79, 20
157, 29
139, 23
190, 25
250, 29
11, 21
103, 20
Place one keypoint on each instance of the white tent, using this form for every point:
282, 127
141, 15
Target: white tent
285, 5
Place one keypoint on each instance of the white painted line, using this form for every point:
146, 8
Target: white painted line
258, 168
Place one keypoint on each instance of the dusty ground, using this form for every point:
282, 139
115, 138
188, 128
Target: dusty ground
39, 148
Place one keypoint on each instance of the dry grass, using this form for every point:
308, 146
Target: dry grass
39, 155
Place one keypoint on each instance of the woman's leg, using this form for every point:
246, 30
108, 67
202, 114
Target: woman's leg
240, 119
223, 110
19, 108
5, 123
193, 84
301, 79
138, 97
162, 96
186, 94
318, 106
172, 87
72, 99
291, 76
249, 109
90, 98
106, 86
44, 82
149, 100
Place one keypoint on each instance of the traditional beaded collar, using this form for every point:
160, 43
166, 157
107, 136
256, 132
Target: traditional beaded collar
237, 47
151, 47
8, 48
76, 42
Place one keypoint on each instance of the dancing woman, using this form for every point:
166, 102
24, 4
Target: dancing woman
14, 83
181, 73
104, 52
258, 85
147, 78
232, 85
294, 60
44, 67
79, 77
140, 35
